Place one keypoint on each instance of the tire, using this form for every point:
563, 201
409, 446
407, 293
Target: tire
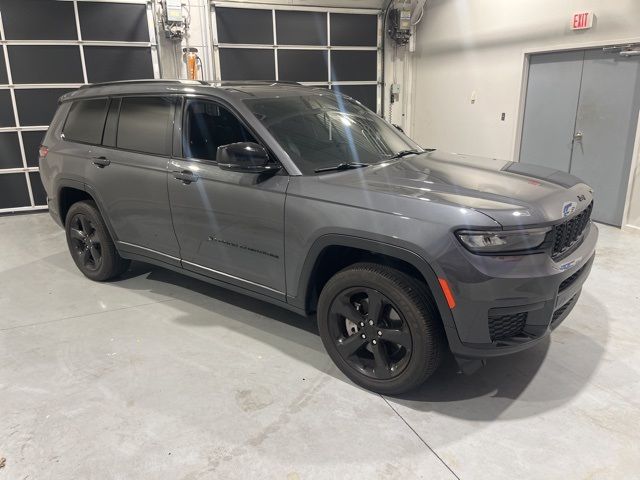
406, 331
90, 244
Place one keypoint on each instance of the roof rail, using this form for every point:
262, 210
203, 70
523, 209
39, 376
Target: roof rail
150, 80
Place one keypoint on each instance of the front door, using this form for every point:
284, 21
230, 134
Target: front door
230, 225
581, 116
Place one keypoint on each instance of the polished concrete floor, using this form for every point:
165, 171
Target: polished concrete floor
158, 376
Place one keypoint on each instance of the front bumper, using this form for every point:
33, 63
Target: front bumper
507, 304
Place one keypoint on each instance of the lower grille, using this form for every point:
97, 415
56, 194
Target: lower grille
567, 282
506, 326
558, 313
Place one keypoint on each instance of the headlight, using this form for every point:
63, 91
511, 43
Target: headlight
502, 241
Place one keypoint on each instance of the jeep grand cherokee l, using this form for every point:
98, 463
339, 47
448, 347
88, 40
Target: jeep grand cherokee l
304, 198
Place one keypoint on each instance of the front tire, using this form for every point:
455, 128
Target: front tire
380, 327
90, 244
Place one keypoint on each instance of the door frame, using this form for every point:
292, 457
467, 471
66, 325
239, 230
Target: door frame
527, 53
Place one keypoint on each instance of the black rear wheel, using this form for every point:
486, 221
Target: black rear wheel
91, 245
380, 327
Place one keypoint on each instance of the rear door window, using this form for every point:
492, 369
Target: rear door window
85, 122
146, 125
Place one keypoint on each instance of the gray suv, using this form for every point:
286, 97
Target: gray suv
302, 197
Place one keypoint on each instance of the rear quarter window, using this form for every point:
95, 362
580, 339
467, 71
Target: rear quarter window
85, 122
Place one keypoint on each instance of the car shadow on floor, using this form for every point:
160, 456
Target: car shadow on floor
483, 396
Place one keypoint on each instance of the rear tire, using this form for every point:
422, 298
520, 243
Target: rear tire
90, 244
380, 327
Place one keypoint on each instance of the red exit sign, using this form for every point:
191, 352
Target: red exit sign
582, 21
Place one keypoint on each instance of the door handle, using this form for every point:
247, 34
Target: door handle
101, 161
577, 136
186, 176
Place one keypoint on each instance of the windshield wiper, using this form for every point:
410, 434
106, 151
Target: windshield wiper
404, 153
342, 166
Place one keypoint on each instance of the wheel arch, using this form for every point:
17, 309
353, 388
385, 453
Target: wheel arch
333, 252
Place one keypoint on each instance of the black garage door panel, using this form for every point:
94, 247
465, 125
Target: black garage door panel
354, 30
365, 94
247, 64
113, 22
105, 64
302, 65
243, 25
13, 190
6, 109
301, 28
31, 142
36, 106
37, 189
10, 150
38, 20
3, 69
45, 64
353, 65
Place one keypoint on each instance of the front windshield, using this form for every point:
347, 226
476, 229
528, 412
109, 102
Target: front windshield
323, 131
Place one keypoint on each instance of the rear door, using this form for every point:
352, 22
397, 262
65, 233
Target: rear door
230, 225
128, 174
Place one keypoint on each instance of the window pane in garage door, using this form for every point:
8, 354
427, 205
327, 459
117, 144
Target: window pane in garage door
353, 65
302, 65
45, 64
243, 25
105, 64
3, 70
365, 94
36, 106
31, 142
13, 190
10, 150
354, 30
247, 64
38, 20
301, 28
114, 22
6, 109
37, 189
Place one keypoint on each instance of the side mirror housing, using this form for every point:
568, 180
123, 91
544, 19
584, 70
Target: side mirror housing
246, 157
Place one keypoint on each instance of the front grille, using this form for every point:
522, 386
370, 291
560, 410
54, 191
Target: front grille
506, 326
558, 313
567, 282
567, 234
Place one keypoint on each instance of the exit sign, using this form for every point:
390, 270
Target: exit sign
582, 21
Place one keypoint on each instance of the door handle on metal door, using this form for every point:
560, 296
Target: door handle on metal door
101, 161
577, 137
186, 176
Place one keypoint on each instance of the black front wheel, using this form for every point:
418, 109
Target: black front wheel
90, 244
380, 327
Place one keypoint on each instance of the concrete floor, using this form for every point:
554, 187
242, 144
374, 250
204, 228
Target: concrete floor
161, 376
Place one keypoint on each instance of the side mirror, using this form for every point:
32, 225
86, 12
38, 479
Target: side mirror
246, 157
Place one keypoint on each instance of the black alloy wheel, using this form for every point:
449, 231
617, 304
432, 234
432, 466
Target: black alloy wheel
369, 333
86, 241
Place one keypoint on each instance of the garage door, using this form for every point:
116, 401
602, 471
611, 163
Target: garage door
333, 48
49, 48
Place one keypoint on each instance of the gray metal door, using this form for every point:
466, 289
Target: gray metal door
581, 117
553, 91
606, 128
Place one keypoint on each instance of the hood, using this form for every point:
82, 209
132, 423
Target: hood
510, 193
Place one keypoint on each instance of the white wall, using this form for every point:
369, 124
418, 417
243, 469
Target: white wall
466, 46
